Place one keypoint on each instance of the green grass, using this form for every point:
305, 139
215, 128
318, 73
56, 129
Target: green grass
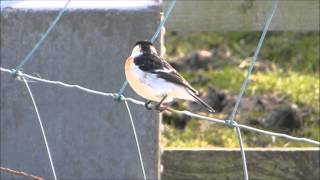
203, 138
302, 89
296, 51
296, 76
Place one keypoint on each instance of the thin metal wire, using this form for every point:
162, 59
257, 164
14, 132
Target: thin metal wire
42, 129
20, 173
254, 59
245, 127
154, 37
136, 139
187, 113
243, 154
244, 85
43, 37
123, 87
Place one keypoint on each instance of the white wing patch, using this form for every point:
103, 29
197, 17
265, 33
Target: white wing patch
153, 50
165, 70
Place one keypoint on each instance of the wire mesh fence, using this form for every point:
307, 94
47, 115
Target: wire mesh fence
19, 74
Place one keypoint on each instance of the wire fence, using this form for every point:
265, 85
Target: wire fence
18, 74
141, 103
20, 173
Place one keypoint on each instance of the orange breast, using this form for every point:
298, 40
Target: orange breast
128, 63
135, 82
132, 78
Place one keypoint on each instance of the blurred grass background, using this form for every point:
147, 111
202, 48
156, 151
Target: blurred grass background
287, 66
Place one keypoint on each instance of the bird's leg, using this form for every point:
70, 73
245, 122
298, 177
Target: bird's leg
158, 106
147, 105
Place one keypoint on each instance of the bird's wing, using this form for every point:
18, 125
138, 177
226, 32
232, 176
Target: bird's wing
151, 62
154, 64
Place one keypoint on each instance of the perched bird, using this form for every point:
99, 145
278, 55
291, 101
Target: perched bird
153, 78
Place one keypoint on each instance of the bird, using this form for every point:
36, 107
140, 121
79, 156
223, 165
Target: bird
153, 78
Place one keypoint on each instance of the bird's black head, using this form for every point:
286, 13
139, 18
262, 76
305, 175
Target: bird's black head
144, 43
143, 47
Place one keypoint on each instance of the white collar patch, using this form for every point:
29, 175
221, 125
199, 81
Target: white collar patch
136, 51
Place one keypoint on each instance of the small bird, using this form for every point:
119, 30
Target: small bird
151, 77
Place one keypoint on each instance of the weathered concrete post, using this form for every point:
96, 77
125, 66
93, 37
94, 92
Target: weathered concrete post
90, 136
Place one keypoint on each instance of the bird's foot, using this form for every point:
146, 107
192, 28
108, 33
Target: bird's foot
147, 105
159, 108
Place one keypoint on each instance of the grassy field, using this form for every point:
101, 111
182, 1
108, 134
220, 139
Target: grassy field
288, 66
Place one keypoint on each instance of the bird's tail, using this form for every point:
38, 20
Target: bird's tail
200, 101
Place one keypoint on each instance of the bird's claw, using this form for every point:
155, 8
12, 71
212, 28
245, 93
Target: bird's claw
147, 105
158, 107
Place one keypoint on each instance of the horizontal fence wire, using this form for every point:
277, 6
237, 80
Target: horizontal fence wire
141, 103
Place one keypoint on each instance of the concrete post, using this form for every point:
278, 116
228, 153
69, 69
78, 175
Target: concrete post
90, 136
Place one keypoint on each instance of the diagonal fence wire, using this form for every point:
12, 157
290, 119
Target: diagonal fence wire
245, 83
254, 59
154, 37
243, 155
125, 83
20, 173
167, 14
30, 54
28, 58
44, 36
136, 139
41, 126
141, 103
